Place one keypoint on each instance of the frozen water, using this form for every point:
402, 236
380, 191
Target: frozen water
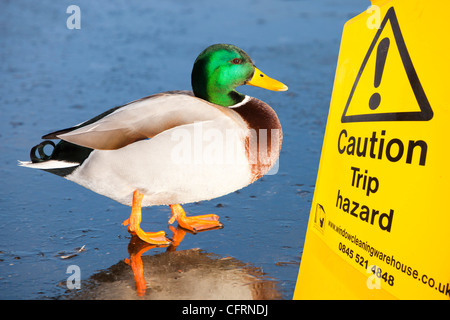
53, 77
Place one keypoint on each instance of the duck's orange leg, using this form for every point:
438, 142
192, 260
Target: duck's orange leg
196, 223
135, 220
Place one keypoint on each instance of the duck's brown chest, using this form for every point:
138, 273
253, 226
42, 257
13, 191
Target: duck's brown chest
263, 143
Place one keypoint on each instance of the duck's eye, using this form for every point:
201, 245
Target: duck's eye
236, 61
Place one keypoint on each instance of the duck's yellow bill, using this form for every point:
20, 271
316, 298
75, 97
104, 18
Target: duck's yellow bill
259, 79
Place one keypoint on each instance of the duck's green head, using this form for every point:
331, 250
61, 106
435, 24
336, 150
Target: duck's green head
220, 68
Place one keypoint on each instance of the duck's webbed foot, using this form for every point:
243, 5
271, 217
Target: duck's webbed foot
195, 223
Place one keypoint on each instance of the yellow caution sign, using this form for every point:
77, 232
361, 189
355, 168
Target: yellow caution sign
380, 219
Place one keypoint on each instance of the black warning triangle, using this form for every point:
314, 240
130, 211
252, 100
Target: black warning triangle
425, 113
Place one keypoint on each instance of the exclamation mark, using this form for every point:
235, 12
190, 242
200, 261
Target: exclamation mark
382, 51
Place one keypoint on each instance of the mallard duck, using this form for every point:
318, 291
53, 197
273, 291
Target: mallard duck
174, 147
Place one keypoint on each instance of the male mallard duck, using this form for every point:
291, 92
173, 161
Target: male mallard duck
174, 147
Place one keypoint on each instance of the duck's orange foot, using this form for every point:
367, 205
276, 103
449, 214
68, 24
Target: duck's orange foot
195, 223
158, 238
133, 223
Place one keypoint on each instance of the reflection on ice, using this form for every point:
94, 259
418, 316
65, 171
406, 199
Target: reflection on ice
187, 274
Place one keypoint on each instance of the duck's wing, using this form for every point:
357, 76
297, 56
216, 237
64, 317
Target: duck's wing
141, 119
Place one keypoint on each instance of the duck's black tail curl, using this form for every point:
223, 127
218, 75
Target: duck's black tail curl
40, 149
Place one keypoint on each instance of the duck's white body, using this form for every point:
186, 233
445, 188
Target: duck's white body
172, 147
175, 166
